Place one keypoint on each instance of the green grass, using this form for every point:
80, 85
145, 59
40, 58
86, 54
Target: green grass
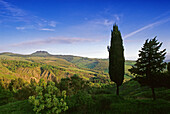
133, 99
19, 107
112, 104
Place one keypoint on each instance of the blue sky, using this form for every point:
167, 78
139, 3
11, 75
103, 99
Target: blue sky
81, 27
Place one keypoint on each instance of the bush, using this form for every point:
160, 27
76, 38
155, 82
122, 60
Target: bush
16, 84
81, 101
72, 85
5, 96
48, 99
24, 93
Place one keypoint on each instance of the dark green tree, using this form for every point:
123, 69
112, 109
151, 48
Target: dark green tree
168, 68
149, 64
116, 58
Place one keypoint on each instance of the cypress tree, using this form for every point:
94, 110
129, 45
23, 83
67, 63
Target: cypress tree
116, 58
149, 64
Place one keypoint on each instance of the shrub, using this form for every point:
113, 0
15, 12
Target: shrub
5, 96
81, 101
48, 99
72, 85
24, 93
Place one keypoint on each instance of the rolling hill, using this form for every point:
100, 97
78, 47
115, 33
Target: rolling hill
54, 67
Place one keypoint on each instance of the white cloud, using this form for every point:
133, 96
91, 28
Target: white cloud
105, 22
52, 23
108, 23
146, 27
47, 29
11, 13
20, 28
55, 40
117, 17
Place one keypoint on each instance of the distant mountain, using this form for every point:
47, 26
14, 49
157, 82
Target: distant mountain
41, 54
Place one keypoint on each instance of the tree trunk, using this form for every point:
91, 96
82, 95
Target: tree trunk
117, 92
153, 93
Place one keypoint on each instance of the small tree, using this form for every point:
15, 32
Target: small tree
116, 58
149, 64
48, 99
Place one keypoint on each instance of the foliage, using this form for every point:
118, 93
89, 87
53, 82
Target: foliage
116, 58
136, 99
168, 68
99, 79
13, 65
16, 84
149, 64
54, 69
72, 85
80, 101
48, 99
150, 59
18, 107
3, 83
24, 93
5, 96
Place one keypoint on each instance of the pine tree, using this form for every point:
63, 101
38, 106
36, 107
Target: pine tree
168, 68
149, 64
116, 58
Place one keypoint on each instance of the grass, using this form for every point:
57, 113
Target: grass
112, 104
19, 107
133, 99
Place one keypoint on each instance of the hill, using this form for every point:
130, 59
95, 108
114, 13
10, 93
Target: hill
58, 66
40, 54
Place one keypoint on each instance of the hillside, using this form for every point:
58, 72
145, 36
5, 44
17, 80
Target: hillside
27, 70
61, 66
133, 99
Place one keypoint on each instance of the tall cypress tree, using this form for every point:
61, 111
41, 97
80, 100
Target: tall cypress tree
116, 58
149, 64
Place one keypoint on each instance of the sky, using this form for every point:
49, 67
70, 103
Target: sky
82, 27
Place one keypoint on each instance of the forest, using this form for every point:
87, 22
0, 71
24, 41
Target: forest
53, 84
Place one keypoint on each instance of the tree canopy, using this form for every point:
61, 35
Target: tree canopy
149, 64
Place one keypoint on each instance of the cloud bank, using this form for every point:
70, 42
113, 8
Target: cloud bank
55, 40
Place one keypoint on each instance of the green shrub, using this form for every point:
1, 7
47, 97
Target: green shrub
16, 84
13, 65
81, 101
24, 93
5, 96
48, 99
72, 85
